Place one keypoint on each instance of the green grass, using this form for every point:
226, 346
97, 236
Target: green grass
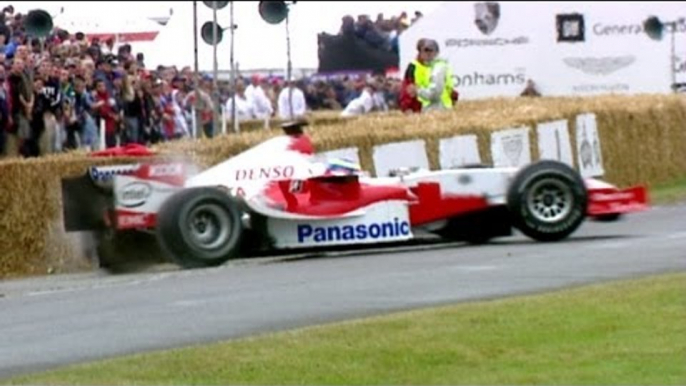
626, 332
669, 193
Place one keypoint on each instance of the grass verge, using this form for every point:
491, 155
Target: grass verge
627, 332
670, 193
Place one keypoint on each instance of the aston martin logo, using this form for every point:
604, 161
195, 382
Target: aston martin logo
600, 66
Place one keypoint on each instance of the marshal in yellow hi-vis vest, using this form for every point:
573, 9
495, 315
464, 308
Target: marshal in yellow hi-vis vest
423, 80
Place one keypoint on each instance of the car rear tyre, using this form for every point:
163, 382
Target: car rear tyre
547, 200
200, 227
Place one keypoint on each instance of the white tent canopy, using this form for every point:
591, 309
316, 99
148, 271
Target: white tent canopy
74, 21
257, 44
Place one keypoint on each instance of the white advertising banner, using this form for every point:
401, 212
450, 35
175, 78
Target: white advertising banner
554, 143
510, 147
488, 48
459, 151
588, 150
351, 154
565, 48
407, 154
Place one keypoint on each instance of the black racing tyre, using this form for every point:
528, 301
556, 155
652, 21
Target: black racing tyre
547, 200
608, 217
200, 227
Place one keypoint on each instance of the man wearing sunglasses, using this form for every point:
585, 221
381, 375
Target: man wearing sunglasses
428, 83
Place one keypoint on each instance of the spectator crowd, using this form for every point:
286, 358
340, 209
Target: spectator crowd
57, 92
382, 33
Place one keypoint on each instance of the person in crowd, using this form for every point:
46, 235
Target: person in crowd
291, 103
245, 108
428, 82
328, 98
256, 95
105, 110
347, 26
261, 103
49, 97
87, 130
252, 88
132, 105
204, 107
21, 100
365, 103
530, 90
4, 110
52, 96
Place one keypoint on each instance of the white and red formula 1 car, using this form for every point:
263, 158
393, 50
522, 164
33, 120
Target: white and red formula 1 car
278, 195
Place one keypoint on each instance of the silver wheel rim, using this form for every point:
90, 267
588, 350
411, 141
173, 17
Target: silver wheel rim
209, 226
550, 200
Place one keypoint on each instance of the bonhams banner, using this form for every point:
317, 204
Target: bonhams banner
565, 48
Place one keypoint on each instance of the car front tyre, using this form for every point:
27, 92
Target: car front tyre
547, 200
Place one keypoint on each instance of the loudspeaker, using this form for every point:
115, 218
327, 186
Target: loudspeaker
38, 23
273, 12
220, 4
207, 31
653, 27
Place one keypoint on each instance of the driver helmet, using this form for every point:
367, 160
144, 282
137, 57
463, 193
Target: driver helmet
342, 167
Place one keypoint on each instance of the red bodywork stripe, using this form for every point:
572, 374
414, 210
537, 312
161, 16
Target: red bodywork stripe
328, 196
614, 201
432, 206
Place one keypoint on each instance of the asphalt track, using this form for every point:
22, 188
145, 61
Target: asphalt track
49, 322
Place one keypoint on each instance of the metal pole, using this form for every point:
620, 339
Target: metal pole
215, 96
196, 83
234, 122
673, 59
289, 69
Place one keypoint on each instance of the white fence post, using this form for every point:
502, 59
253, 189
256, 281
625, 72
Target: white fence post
103, 142
223, 120
194, 124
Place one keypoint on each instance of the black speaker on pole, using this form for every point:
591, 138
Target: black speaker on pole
653, 27
38, 23
273, 12
207, 30
219, 4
